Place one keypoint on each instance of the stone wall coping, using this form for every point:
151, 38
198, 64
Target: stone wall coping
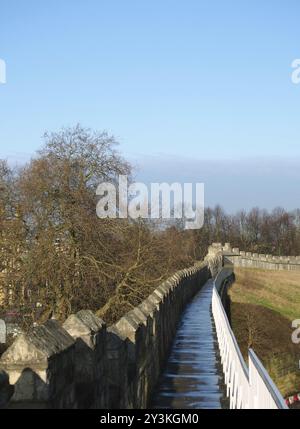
113, 329
147, 307
128, 325
40, 344
85, 322
140, 315
51, 338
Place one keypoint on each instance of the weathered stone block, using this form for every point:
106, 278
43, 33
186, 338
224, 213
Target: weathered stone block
85, 325
31, 362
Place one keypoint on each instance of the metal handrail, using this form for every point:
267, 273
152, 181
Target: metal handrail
246, 388
264, 382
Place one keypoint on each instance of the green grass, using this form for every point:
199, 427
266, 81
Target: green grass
276, 290
263, 305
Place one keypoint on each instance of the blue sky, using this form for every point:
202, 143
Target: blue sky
187, 87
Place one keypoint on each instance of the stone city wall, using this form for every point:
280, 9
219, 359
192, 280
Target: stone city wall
255, 260
84, 364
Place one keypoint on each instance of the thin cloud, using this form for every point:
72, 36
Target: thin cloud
233, 183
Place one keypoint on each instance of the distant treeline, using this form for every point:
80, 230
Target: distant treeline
276, 232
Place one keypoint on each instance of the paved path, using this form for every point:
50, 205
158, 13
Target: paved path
193, 377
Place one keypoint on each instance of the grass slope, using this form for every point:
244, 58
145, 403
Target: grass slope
263, 305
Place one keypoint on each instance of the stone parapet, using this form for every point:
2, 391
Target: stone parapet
82, 364
242, 258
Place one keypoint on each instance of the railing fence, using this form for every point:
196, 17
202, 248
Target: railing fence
246, 387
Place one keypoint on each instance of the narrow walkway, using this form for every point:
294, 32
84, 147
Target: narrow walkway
193, 376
